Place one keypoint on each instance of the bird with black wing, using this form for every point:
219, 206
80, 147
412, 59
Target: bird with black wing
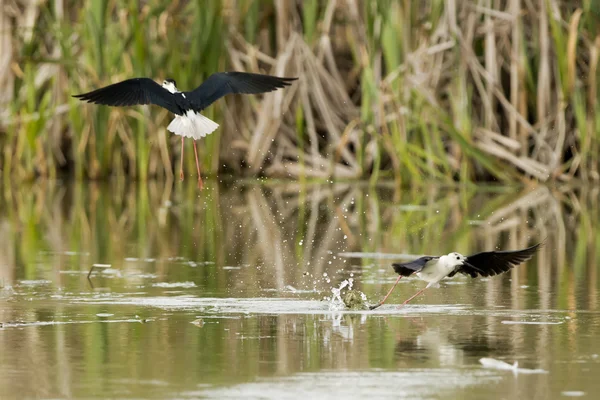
433, 269
186, 106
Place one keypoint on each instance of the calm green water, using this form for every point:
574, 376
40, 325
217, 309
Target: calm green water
220, 294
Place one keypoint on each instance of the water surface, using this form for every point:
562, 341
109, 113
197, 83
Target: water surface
222, 294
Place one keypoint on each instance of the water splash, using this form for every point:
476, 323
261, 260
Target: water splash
336, 301
6, 291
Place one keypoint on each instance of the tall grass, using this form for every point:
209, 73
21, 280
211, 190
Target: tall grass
445, 90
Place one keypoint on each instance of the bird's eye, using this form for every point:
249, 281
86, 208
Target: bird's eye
457, 257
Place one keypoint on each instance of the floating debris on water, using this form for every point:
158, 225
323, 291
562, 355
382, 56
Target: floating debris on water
352, 299
497, 364
198, 322
104, 315
355, 300
573, 393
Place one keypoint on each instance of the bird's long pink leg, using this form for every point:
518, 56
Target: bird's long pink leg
387, 295
181, 163
413, 296
200, 184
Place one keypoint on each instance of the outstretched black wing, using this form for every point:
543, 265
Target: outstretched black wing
492, 263
409, 268
132, 92
222, 83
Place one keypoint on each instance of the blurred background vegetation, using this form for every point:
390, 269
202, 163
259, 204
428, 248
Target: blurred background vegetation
502, 90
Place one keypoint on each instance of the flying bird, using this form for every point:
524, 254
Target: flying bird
433, 269
186, 106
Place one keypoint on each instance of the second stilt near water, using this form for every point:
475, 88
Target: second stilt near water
433, 269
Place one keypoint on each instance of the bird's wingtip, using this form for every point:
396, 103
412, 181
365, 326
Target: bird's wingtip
286, 81
541, 243
531, 250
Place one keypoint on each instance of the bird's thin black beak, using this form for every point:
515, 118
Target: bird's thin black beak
473, 267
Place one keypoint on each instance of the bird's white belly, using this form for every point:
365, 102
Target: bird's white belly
433, 274
193, 125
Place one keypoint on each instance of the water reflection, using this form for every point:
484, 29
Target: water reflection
253, 263
249, 238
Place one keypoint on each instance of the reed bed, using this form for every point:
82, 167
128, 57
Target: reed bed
445, 90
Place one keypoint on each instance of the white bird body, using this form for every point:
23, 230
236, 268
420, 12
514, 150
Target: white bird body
192, 124
437, 269
433, 269
186, 106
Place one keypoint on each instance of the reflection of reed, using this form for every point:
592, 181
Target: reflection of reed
288, 230
275, 250
7, 256
276, 220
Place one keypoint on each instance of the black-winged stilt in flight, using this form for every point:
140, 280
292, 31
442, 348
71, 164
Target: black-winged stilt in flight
435, 268
186, 106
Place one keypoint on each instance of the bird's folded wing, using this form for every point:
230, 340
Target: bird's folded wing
223, 83
409, 268
492, 263
132, 92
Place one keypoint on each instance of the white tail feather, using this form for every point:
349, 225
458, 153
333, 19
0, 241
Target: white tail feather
193, 125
